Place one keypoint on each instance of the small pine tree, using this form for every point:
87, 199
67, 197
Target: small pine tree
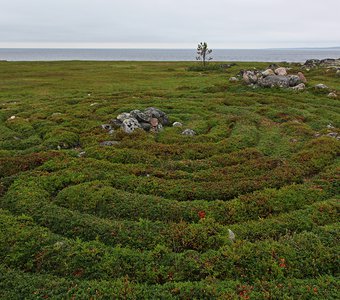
203, 53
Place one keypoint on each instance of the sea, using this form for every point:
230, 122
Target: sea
265, 55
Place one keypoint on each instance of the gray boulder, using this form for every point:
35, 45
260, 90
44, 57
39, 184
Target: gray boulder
294, 80
139, 116
312, 63
116, 123
145, 126
153, 112
274, 81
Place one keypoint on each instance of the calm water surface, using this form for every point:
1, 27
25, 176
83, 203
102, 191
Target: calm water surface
275, 55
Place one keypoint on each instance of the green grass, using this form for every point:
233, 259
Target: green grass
125, 221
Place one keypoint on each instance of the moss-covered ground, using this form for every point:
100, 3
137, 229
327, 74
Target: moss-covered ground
148, 218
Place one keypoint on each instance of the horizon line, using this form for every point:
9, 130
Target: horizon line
164, 48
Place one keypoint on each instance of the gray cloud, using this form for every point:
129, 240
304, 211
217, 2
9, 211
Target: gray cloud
176, 23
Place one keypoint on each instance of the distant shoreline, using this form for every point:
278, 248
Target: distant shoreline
166, 55
155, 48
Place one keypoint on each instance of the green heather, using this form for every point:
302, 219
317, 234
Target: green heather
148, 218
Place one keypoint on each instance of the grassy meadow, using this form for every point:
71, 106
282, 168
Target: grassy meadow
148, 218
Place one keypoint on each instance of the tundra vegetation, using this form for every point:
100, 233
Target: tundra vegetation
248, 208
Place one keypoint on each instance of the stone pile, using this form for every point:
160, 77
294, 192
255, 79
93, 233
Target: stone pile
151, 119
271, 78
323, 63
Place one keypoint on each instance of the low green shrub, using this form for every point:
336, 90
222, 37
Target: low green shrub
15, 284
25, 245
60, 138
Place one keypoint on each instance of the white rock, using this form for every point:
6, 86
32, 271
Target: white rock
299, 87
231, 235
109, 143
189, 132
177, 124
268, 72
12, 118
321, 86
123, 116
233, 79
81, 154
332, 95
332, 134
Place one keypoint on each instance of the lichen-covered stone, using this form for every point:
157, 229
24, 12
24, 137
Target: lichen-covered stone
123, 116
153, 112
294, 80
274, 81
130, 125
139, 116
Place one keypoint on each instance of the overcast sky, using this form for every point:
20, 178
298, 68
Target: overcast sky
170, 23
